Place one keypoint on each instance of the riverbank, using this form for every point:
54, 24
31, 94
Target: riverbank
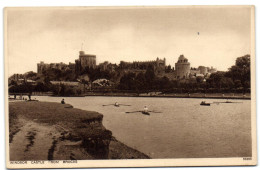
53, 131
240, 96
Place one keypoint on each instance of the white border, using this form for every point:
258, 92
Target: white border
4, 3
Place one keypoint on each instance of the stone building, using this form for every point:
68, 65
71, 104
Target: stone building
41, 67
159, 65
212, 70
85, 61
194, 71
203, 70
182, 68
107, 66
103, 66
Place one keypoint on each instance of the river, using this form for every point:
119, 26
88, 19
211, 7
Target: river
183, 129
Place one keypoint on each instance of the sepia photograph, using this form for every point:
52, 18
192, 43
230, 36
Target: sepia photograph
146, 86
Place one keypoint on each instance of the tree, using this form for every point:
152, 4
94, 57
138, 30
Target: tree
241, 71
150, 77
165, 83
40, 87
140, 81
215, 79
127, 82
199, 79
227, 82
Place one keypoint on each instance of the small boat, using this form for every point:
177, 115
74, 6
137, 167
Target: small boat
228, 101
203, 103
116, 104
145, 113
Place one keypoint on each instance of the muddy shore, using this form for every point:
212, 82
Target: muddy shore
54, 131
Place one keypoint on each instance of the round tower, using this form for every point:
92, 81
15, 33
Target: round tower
182, 68
87, 60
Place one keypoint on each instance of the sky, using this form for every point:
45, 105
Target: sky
127, 34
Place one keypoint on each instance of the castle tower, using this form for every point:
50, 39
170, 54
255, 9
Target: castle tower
182, 68
87, 60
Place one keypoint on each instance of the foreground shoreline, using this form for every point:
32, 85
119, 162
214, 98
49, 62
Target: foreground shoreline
54, 131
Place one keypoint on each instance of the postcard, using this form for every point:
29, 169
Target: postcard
149, 86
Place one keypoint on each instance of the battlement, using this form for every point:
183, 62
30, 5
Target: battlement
149, 61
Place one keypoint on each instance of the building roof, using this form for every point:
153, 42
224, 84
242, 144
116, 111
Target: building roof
182, 57
199, 75
68, 83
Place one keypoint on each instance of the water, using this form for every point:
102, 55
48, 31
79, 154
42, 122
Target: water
184, 129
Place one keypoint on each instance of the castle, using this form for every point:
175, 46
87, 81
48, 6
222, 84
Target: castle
84, 61
41, 67
89, 61
182, 67
158, 65
184, 71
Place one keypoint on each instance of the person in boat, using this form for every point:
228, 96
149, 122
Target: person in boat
62, 101
203, 102
116, 104
145, 109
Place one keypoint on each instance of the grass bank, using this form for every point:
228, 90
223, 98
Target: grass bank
64, 131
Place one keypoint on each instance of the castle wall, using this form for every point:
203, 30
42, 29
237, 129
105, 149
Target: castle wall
158, 64
61, 66
194, 72
203, 70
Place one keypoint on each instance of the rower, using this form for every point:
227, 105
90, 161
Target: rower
145, 109
62, 101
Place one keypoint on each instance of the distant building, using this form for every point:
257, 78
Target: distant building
41, 67
182, 68
203, 70
184, 71
212, 70
66, 83
159, 65
85, 61
194, 71
106, 66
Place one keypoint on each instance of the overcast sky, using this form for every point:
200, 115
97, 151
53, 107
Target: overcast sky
57, 34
